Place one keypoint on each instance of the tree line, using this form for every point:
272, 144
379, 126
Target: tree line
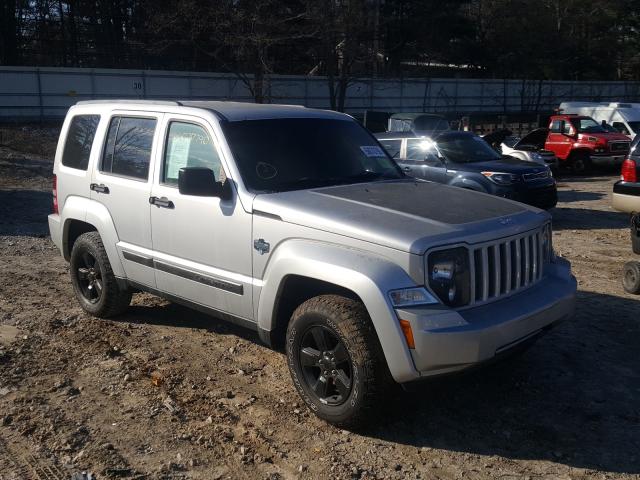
339, 39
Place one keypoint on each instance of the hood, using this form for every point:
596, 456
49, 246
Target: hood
506, 164
535, 138
608, 136
406, 215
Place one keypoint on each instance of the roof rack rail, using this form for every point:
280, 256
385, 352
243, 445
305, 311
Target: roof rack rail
129, 100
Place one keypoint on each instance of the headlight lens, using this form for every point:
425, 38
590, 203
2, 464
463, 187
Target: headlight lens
501, 178
536, 157
548, 254
449, 276
409, 297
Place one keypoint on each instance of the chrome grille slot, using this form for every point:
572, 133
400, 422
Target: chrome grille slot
506, 266
619, 146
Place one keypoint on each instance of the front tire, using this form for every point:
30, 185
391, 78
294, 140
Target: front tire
581, 164
335, 359
94, 283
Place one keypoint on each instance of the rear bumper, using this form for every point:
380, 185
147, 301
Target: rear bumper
55, 230
626, 196
449, 341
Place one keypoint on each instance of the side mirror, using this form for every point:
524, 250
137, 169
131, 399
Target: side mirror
201, 182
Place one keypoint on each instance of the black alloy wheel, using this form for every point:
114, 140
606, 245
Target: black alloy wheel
326, 365
96, 287
89, 277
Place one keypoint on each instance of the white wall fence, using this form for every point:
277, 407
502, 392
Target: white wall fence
31, 92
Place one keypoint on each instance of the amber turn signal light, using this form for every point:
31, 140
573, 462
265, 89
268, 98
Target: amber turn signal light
408, 333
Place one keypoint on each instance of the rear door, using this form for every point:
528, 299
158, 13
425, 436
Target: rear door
122, 183
393, 146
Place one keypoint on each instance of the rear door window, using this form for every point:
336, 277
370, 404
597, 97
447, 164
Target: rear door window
77, 147
392, 146
128, 147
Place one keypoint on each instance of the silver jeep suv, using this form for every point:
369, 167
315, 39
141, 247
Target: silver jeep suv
295, 222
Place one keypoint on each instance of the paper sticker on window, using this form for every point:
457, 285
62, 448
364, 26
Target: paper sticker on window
178, 155
372, 151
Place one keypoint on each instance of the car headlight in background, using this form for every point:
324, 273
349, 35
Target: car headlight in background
449, 276
548, 254
501, 178
410, 297
536, 157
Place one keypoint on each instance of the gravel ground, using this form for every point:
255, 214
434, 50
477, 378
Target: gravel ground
164, 392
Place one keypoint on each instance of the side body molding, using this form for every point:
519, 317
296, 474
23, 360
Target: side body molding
96, 214
368, 276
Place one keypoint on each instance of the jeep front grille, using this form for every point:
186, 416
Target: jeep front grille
505, 266
619, 146
528, 177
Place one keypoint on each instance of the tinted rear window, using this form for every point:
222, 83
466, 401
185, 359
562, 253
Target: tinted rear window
128, 148
77, 147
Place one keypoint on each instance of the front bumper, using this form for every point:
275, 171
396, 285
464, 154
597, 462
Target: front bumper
610, 160
538, 194
448, 341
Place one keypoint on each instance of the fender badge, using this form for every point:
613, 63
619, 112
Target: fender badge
261, 246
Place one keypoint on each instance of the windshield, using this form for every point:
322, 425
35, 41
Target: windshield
296, 153
635, 126
466, 149
511, 141
587, 125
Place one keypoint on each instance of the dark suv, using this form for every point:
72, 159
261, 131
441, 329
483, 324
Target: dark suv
465, 160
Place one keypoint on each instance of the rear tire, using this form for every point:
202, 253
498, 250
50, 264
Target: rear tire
631, 278
335, 360
94, 283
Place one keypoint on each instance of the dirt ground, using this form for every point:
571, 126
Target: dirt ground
167, 393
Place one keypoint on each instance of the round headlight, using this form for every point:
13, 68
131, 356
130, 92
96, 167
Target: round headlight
449, 276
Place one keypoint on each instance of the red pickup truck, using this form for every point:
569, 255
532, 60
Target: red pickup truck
580, 142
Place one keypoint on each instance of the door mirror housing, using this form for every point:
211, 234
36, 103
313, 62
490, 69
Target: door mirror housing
201, 182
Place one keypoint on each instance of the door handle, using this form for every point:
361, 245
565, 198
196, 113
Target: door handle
163, 202
407, 169
102, 188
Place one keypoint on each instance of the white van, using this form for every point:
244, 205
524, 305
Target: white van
624, 117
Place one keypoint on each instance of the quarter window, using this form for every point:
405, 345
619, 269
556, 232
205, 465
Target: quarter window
555, 126
77, 147
128, 147
189, 145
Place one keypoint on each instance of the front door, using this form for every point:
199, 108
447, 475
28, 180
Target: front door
122, 184
559, 140
202, 245
423, 160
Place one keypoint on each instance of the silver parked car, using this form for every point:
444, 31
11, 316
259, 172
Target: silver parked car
295, 223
